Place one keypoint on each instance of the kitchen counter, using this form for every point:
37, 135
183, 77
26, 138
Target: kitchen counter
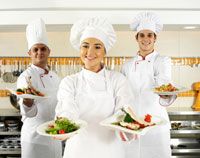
9, 112
182, 111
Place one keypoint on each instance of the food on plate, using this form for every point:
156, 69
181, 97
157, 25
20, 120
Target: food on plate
61, 126
130, 120
166, 88
29, 90
176, 126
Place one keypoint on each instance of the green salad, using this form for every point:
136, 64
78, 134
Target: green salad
61, 126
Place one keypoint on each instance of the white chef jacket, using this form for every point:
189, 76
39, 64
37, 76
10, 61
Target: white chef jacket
144, 75
43, 110
93, 97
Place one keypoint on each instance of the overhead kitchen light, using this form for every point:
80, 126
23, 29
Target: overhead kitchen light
190, 27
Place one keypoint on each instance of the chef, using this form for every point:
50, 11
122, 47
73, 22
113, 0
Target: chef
145, 71
94, 93
37, 111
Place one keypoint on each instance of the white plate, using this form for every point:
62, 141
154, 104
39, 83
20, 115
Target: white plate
180, 90
29, 96
41, 129
108, 124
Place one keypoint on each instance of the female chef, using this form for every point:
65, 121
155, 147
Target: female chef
36, 112
145, 71
94, 93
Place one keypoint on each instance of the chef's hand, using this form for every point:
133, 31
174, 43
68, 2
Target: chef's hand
62, 137
128, 137
28, 102
165, 96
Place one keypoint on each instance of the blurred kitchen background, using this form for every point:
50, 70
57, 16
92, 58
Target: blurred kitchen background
179, 40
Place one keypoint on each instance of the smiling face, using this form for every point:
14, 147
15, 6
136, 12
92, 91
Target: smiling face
92, 52
146, 40
39, 54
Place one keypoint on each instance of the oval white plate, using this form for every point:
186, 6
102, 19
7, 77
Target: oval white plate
41, 129
28, 96
180, 90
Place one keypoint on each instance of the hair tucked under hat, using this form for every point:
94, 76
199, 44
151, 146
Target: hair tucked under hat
96, 27
147, 21
36, 33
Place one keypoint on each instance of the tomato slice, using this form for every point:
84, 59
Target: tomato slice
147, 118
61, 131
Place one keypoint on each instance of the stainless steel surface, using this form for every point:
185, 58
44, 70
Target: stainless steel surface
10, 141
186, 151
182, 146
9, 112
6, 133
178, 156
185, 133
182, 111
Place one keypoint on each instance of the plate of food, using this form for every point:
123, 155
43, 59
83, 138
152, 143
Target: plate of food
169, 89
128, 122
28, 93
61, 127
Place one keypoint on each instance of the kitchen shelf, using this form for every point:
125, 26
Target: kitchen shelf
186, 151
13, 152
185, 140
178, 156
182, 111
185, 113
5, 114
185, 131
9, 112
10, 133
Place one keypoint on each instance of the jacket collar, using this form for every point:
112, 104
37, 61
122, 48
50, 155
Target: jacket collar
148, 57
40, 70
90, 74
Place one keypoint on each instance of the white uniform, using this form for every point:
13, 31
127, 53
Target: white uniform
34, 145
93, 97
143, 75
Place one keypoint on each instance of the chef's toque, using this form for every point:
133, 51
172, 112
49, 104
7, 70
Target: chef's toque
96, 27
36, 33
147, 21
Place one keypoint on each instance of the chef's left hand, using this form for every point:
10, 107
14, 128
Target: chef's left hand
127, 137
165, 96
62, 138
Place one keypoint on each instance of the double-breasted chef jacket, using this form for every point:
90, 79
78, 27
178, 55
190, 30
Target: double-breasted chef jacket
93, 97
144, 74
43, 110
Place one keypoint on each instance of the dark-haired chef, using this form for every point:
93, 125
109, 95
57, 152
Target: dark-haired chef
148, 69
35, 112
94, 93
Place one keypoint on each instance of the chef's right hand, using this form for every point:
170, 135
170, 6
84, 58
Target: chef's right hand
28, 102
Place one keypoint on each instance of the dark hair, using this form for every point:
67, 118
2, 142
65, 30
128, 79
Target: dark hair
136, 36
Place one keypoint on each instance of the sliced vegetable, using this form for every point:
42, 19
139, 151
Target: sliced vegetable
147, 118
62, 126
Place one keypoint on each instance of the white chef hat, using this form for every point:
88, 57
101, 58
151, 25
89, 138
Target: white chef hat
36, 33
147, 21
96, 27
